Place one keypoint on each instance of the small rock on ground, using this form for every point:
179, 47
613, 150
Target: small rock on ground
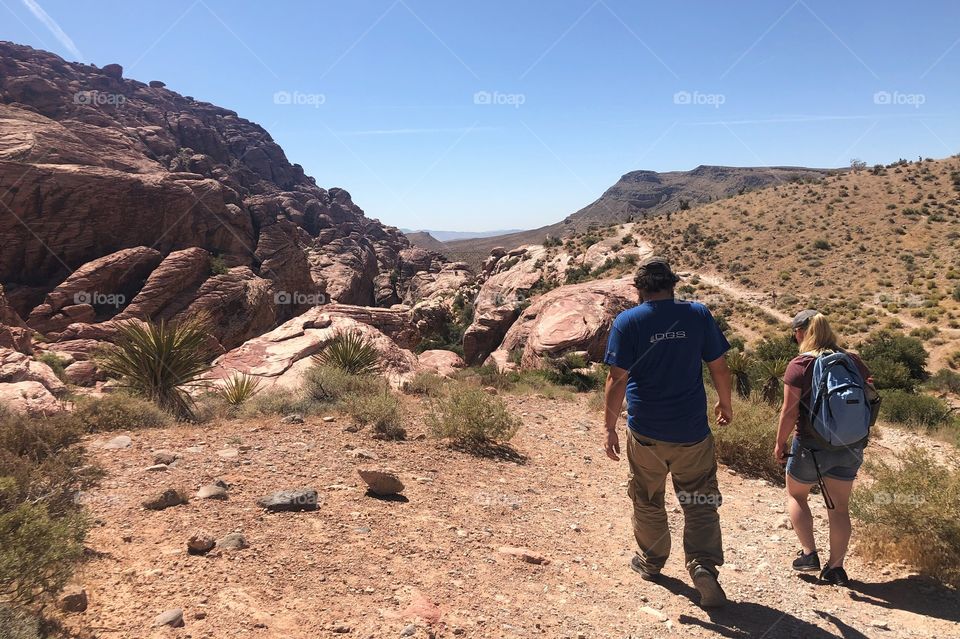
118, 442
73, 600
212, 491
233, 541
524, 554
165, 457
200, 543
381, 482
290, 500
293, 418
168, 498
172, 618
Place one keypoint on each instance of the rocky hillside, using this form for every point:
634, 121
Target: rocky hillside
644, 194
123, 199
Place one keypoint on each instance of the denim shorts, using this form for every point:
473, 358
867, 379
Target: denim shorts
840, 464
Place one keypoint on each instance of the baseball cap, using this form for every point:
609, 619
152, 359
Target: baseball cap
802, 318
656, 265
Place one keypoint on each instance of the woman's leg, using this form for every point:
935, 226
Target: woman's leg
800, 515
839, 519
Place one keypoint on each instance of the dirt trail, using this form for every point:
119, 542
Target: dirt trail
753, 298
365, 567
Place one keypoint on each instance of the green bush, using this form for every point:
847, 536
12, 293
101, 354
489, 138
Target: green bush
280, 401
914, 409
56, 364
746, 445
471, 416
350, 351
16, 624
912, 513
425, 383
574, 370
238, 388
775, 348
945, 380
896, 360
118, 411
381, 410
42, 526
330, 384
160, 361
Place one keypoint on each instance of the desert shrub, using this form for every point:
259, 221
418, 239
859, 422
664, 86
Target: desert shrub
912, 512
774, 348
449, 335
56, 364
160, 361
574, 370
380, 410
896, 360
746, 445
16, 624
425, 383
330, 384
218, 266
945, 380
350, 351
914, 409
42, 526
739, 365
238, 388
469, 415
280, 401
118, 411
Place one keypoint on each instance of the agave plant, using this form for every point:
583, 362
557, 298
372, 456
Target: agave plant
350, 351
161, 361
771, 372
739, 365
238, 388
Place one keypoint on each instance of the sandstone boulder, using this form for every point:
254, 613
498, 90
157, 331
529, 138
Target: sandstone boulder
17, 367
14, 332
281, 356
575, 317
30, 398
171, 286
444, 363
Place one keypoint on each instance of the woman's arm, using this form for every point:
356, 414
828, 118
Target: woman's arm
788, 419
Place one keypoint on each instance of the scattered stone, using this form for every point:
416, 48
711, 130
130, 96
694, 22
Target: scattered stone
165, 457
329, 418
409, 631
221, 483
293, 418
168, 498
212, 491
157, 468
73, 599
362, 453
228, 453
200, 543
880, 624
290, 500
785, 523
653, 612
200, 614
352, 428
381, 482
172, 618
524, 554
233, 541
117, 443
341, 629
490, 390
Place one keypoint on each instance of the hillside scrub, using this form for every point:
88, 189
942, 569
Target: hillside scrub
471, 416
911, 509
746, 445
118, 411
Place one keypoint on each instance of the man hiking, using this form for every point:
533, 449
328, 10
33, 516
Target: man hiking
655, 353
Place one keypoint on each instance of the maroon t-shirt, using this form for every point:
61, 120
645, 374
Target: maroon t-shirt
799, 374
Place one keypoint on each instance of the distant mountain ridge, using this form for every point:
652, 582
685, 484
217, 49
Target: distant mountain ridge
641, 194
448, 236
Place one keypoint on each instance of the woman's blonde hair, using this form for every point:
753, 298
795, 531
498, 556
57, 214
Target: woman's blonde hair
818, 336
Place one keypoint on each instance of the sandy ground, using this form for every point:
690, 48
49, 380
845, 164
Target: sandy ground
430, 565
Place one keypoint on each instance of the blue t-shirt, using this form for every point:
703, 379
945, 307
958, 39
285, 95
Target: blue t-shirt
662, 344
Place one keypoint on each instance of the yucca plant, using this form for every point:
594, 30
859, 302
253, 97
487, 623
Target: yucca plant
771, 373
238, 388
739, 365
161, 360
350, 351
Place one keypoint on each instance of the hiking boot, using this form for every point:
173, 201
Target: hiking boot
637, 565
834, 576
711, 594
807, 563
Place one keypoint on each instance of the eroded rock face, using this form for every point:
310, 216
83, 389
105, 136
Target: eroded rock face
30, 398
17, 367
443, 363
576, 317
281, 356
163, 198
14, 333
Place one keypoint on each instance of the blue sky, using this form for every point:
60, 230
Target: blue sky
514, 113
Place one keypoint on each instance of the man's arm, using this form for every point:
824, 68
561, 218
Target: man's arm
722, 381
614, 393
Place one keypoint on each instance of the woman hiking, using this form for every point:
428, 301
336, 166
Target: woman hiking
812, 460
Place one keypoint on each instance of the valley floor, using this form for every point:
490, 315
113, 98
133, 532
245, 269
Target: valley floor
431, 565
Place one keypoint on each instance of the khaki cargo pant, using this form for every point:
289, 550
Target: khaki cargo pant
693, 468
